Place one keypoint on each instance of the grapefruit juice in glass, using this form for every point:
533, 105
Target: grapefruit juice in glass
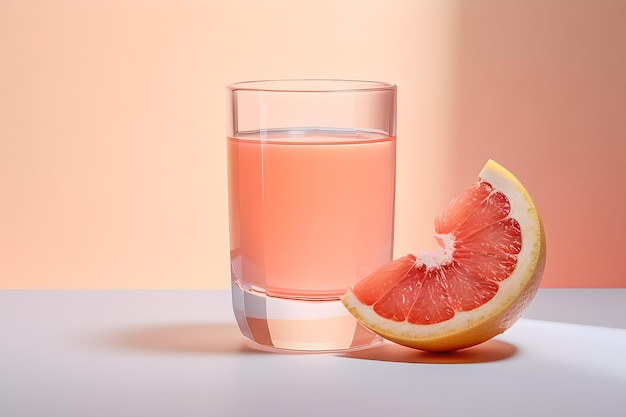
311, 169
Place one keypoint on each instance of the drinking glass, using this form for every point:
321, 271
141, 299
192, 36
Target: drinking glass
311, 184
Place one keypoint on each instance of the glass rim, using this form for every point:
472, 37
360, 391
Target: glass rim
311, 85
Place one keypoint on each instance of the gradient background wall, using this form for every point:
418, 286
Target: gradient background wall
112, 121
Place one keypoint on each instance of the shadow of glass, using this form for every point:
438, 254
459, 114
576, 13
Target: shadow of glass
176, 338
490, 351
226, 338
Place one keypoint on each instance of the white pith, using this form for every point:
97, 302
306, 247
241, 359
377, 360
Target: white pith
524, 211
434, 258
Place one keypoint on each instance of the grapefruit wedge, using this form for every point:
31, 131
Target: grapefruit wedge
486, 272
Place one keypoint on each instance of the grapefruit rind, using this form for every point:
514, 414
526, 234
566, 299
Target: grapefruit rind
468, 328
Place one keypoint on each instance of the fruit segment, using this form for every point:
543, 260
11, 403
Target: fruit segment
384, 279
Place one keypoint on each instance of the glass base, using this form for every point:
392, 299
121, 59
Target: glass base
281, 324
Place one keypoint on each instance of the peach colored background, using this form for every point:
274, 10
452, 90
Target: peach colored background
112, 121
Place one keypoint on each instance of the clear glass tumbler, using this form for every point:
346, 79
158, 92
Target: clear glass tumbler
311, 176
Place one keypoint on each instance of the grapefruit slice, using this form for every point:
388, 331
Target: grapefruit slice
486, 272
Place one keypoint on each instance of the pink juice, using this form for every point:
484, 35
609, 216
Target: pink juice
311, 210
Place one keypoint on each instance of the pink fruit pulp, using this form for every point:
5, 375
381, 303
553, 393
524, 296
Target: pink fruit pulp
479, 244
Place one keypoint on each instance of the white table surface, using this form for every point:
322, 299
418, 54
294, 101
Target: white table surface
179, 353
